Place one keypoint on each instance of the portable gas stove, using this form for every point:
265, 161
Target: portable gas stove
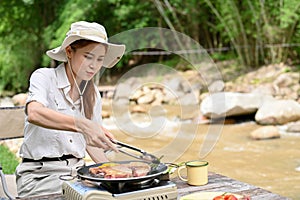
152, 189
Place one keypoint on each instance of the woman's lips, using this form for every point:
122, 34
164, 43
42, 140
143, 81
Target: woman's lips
90, 73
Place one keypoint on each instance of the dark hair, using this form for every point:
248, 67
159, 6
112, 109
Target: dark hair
89, 95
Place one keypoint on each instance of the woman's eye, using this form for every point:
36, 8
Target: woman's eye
100, 59
88, 57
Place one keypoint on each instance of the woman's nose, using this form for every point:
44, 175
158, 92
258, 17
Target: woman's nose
92, 64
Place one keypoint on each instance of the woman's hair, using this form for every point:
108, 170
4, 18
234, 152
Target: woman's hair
89, 95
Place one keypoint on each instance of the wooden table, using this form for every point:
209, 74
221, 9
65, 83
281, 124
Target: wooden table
216, 183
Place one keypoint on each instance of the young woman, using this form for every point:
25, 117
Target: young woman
63, 111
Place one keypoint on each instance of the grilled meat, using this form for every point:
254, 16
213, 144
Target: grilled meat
116, 170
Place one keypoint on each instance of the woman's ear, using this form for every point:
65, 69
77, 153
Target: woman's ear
68, 51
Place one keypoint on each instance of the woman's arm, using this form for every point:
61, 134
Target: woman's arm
48, 118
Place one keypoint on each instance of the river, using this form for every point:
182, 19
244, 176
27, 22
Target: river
271, 164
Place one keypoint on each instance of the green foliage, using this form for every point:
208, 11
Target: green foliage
254, 29
221, 56
21, 45
8, 160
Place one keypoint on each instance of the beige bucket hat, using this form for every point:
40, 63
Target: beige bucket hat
89, 31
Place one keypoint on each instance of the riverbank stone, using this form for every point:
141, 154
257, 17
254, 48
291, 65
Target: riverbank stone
293, 127
6, 102
225, 104
265, 132
19, 99
278, 112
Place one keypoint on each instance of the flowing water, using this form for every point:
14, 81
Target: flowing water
271, 164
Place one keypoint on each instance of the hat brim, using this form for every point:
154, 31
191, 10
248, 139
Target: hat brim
113, 54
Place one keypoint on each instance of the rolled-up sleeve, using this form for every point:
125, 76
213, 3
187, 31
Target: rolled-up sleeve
39, 87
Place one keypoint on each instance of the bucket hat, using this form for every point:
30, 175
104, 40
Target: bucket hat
89, 31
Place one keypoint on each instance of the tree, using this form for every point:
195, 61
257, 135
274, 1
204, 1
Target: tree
257, 32
21, 32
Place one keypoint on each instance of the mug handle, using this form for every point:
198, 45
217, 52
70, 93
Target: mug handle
178, 172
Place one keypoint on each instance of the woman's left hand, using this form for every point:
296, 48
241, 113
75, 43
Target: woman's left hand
108, 134
95, 134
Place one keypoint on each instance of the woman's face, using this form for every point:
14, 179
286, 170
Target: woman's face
86, 61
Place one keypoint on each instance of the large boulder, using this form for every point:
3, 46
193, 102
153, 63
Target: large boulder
278, 112
225, 104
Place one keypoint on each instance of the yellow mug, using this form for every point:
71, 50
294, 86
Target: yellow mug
197, 172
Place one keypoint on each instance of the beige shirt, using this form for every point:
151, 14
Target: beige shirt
50, 87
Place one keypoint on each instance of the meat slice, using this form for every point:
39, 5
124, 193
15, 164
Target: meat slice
139, 169
96, 171
118, 171
126, 170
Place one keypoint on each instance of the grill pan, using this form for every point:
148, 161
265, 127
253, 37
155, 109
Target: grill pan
156, 170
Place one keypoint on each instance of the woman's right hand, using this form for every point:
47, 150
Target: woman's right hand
94, 133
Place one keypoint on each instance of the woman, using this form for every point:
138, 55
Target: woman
63, 111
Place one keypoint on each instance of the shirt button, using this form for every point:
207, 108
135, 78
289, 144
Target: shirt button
73, 108
71, 141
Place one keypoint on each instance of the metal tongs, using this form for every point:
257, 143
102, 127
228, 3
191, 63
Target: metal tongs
143, 154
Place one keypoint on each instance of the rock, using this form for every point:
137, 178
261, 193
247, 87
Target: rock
6, 102
278, 112
283, 80
173, 84
136, 95
110, 94
105, 114
293, 127
277, 80
265, 132
267, 89
168, 95
138, 109
216, 86
156, 102
188, 99
158, 97
19, 99
146, 99
185, 86
226, 104
146, 89
285, 93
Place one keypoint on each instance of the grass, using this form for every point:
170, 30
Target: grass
8, 160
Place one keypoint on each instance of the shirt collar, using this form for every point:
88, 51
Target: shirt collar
63, 82
62, 79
